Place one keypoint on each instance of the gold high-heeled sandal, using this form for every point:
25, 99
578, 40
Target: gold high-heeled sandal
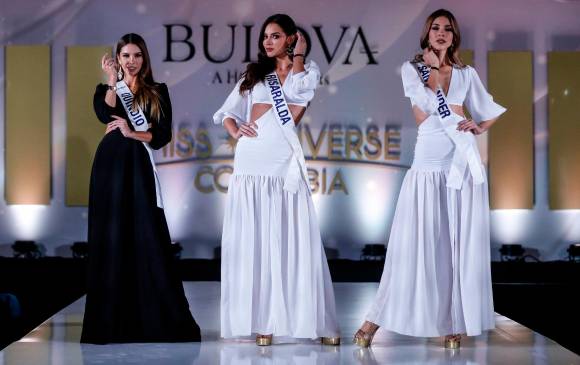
330, 341
264, 340
453, 342
364, 339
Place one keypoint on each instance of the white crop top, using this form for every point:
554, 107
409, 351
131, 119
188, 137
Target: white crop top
465, 87
298, 90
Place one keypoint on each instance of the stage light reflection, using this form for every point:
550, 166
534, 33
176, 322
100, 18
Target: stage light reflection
30, 339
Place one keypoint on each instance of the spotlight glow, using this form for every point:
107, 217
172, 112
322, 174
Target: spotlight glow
373, 205
320, 206
510, 225
28, 221
568, 221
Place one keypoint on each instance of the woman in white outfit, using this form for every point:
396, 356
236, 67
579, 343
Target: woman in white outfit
275, 277
436, 280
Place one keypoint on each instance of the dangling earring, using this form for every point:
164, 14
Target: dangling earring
120, 74
290, 50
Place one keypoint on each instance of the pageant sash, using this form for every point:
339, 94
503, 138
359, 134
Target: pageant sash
466, 154
140, 124
297, 168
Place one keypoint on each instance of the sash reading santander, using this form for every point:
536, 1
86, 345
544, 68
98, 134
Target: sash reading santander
466, 154
442, 108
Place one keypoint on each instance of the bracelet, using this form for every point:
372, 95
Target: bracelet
112, 87
434, 68
299, 55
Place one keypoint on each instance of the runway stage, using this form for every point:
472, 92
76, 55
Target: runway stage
57, 341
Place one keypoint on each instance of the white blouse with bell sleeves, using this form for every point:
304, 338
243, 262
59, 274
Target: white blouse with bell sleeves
465, 88
235, 107
298, 89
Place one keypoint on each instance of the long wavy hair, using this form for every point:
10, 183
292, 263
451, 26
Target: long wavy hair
147, 96
257, 71
453, 50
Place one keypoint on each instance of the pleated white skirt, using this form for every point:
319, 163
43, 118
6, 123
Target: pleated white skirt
275, 277
436, 279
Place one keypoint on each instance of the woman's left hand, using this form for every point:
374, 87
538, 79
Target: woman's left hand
300, 47
121, 124
468, 125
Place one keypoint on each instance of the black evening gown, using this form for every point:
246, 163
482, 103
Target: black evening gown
134, 291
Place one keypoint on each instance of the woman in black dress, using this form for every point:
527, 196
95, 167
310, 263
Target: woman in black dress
134, 291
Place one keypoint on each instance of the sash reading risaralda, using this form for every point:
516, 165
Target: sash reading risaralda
297, 169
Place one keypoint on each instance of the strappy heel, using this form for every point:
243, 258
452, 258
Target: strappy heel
363, 338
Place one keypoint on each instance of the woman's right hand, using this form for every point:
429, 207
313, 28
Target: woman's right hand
430, 58
247, 130
110, 67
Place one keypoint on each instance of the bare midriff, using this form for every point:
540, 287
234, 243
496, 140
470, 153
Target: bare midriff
259, 109
420, 115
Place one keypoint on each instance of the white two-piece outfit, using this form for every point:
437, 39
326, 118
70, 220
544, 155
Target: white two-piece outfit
274, 274
437, 279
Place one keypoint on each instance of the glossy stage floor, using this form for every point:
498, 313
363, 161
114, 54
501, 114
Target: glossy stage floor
57, 341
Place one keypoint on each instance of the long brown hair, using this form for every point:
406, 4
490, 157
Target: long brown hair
257, 71
146, 97
453, 50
